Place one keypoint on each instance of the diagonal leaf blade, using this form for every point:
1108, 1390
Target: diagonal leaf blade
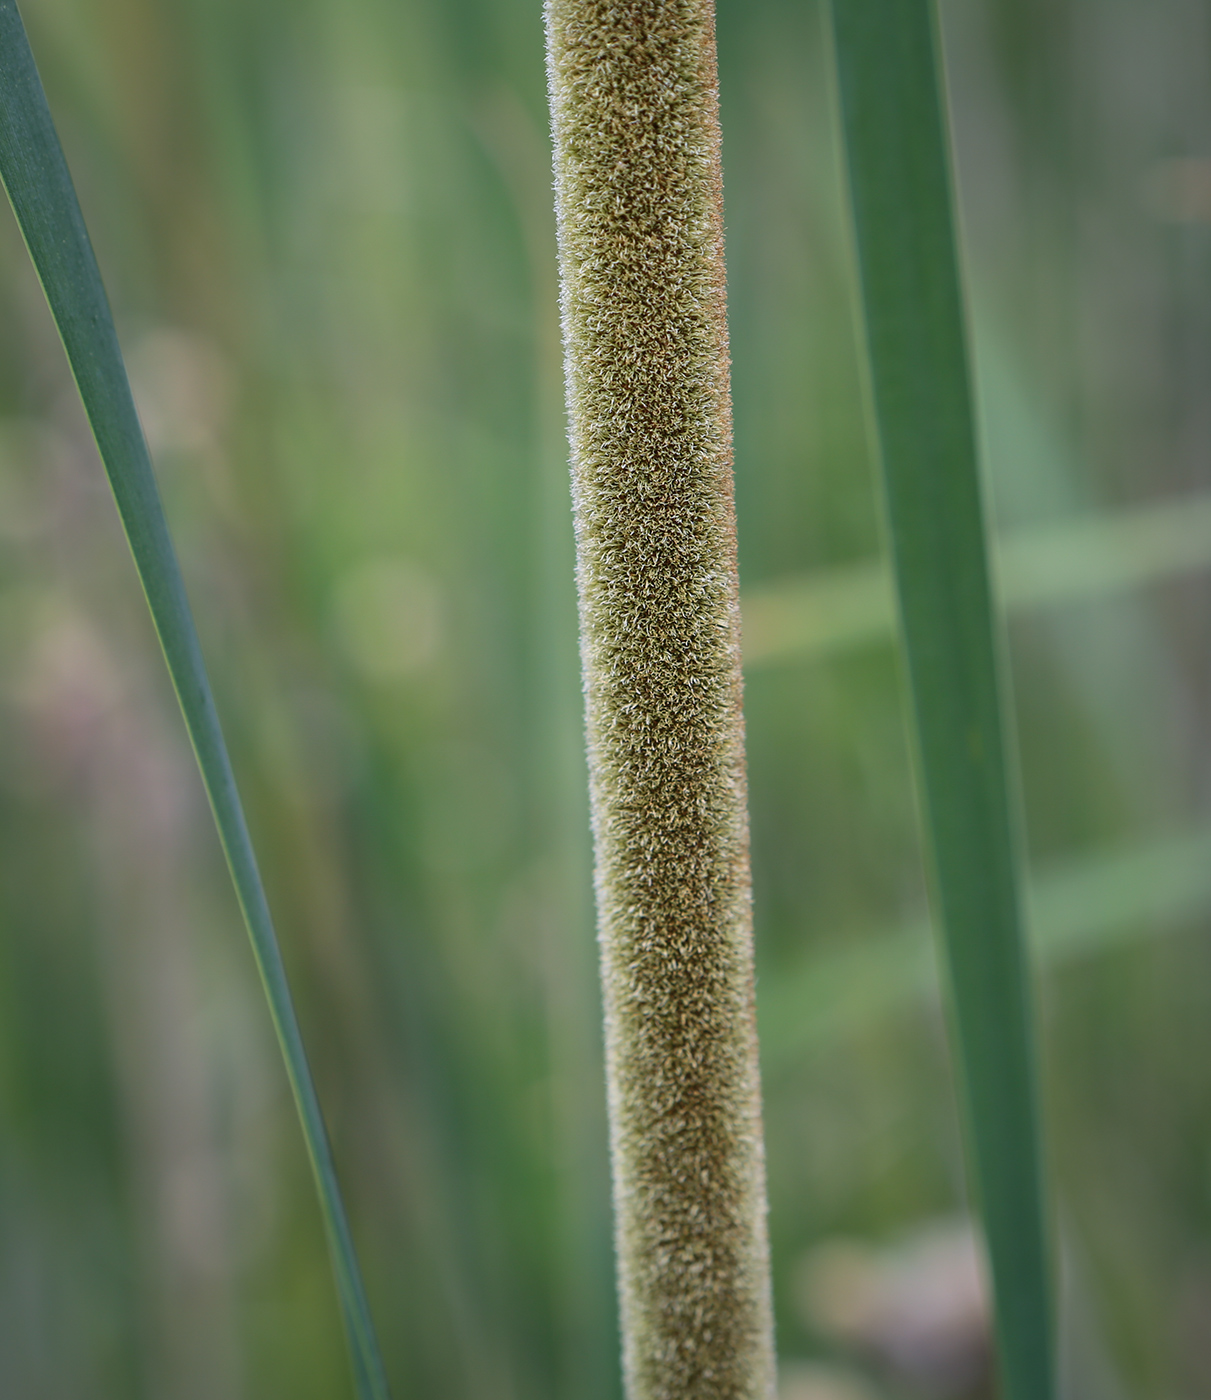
899, 177
36, 178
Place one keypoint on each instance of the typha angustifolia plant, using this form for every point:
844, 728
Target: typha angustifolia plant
36, 178
634, 102
894, 122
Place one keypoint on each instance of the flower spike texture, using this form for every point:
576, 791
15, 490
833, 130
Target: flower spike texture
634, 97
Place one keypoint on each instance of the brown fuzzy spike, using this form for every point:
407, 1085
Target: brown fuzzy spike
634, 102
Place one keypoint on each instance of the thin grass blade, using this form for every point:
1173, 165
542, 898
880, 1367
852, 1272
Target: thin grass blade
899, 176
36, 178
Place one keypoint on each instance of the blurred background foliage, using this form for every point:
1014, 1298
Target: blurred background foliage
327, 233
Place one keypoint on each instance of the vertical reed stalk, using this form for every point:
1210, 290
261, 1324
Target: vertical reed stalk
898, 157
638, 189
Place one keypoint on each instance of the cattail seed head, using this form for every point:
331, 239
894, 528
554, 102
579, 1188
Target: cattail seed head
639, 199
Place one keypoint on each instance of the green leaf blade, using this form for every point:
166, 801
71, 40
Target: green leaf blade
36, 178
898, 162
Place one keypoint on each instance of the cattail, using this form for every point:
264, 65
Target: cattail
634, 98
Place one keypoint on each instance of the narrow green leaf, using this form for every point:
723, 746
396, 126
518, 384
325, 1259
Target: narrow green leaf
36, 178
899, 175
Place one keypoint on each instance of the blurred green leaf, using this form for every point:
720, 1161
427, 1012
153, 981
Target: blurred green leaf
36, 178
898, 161
1045, 566
1078, 910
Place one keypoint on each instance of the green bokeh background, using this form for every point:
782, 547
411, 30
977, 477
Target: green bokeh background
327, 233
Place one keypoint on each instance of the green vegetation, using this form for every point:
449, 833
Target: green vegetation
327, 234
896, 142
36, 178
